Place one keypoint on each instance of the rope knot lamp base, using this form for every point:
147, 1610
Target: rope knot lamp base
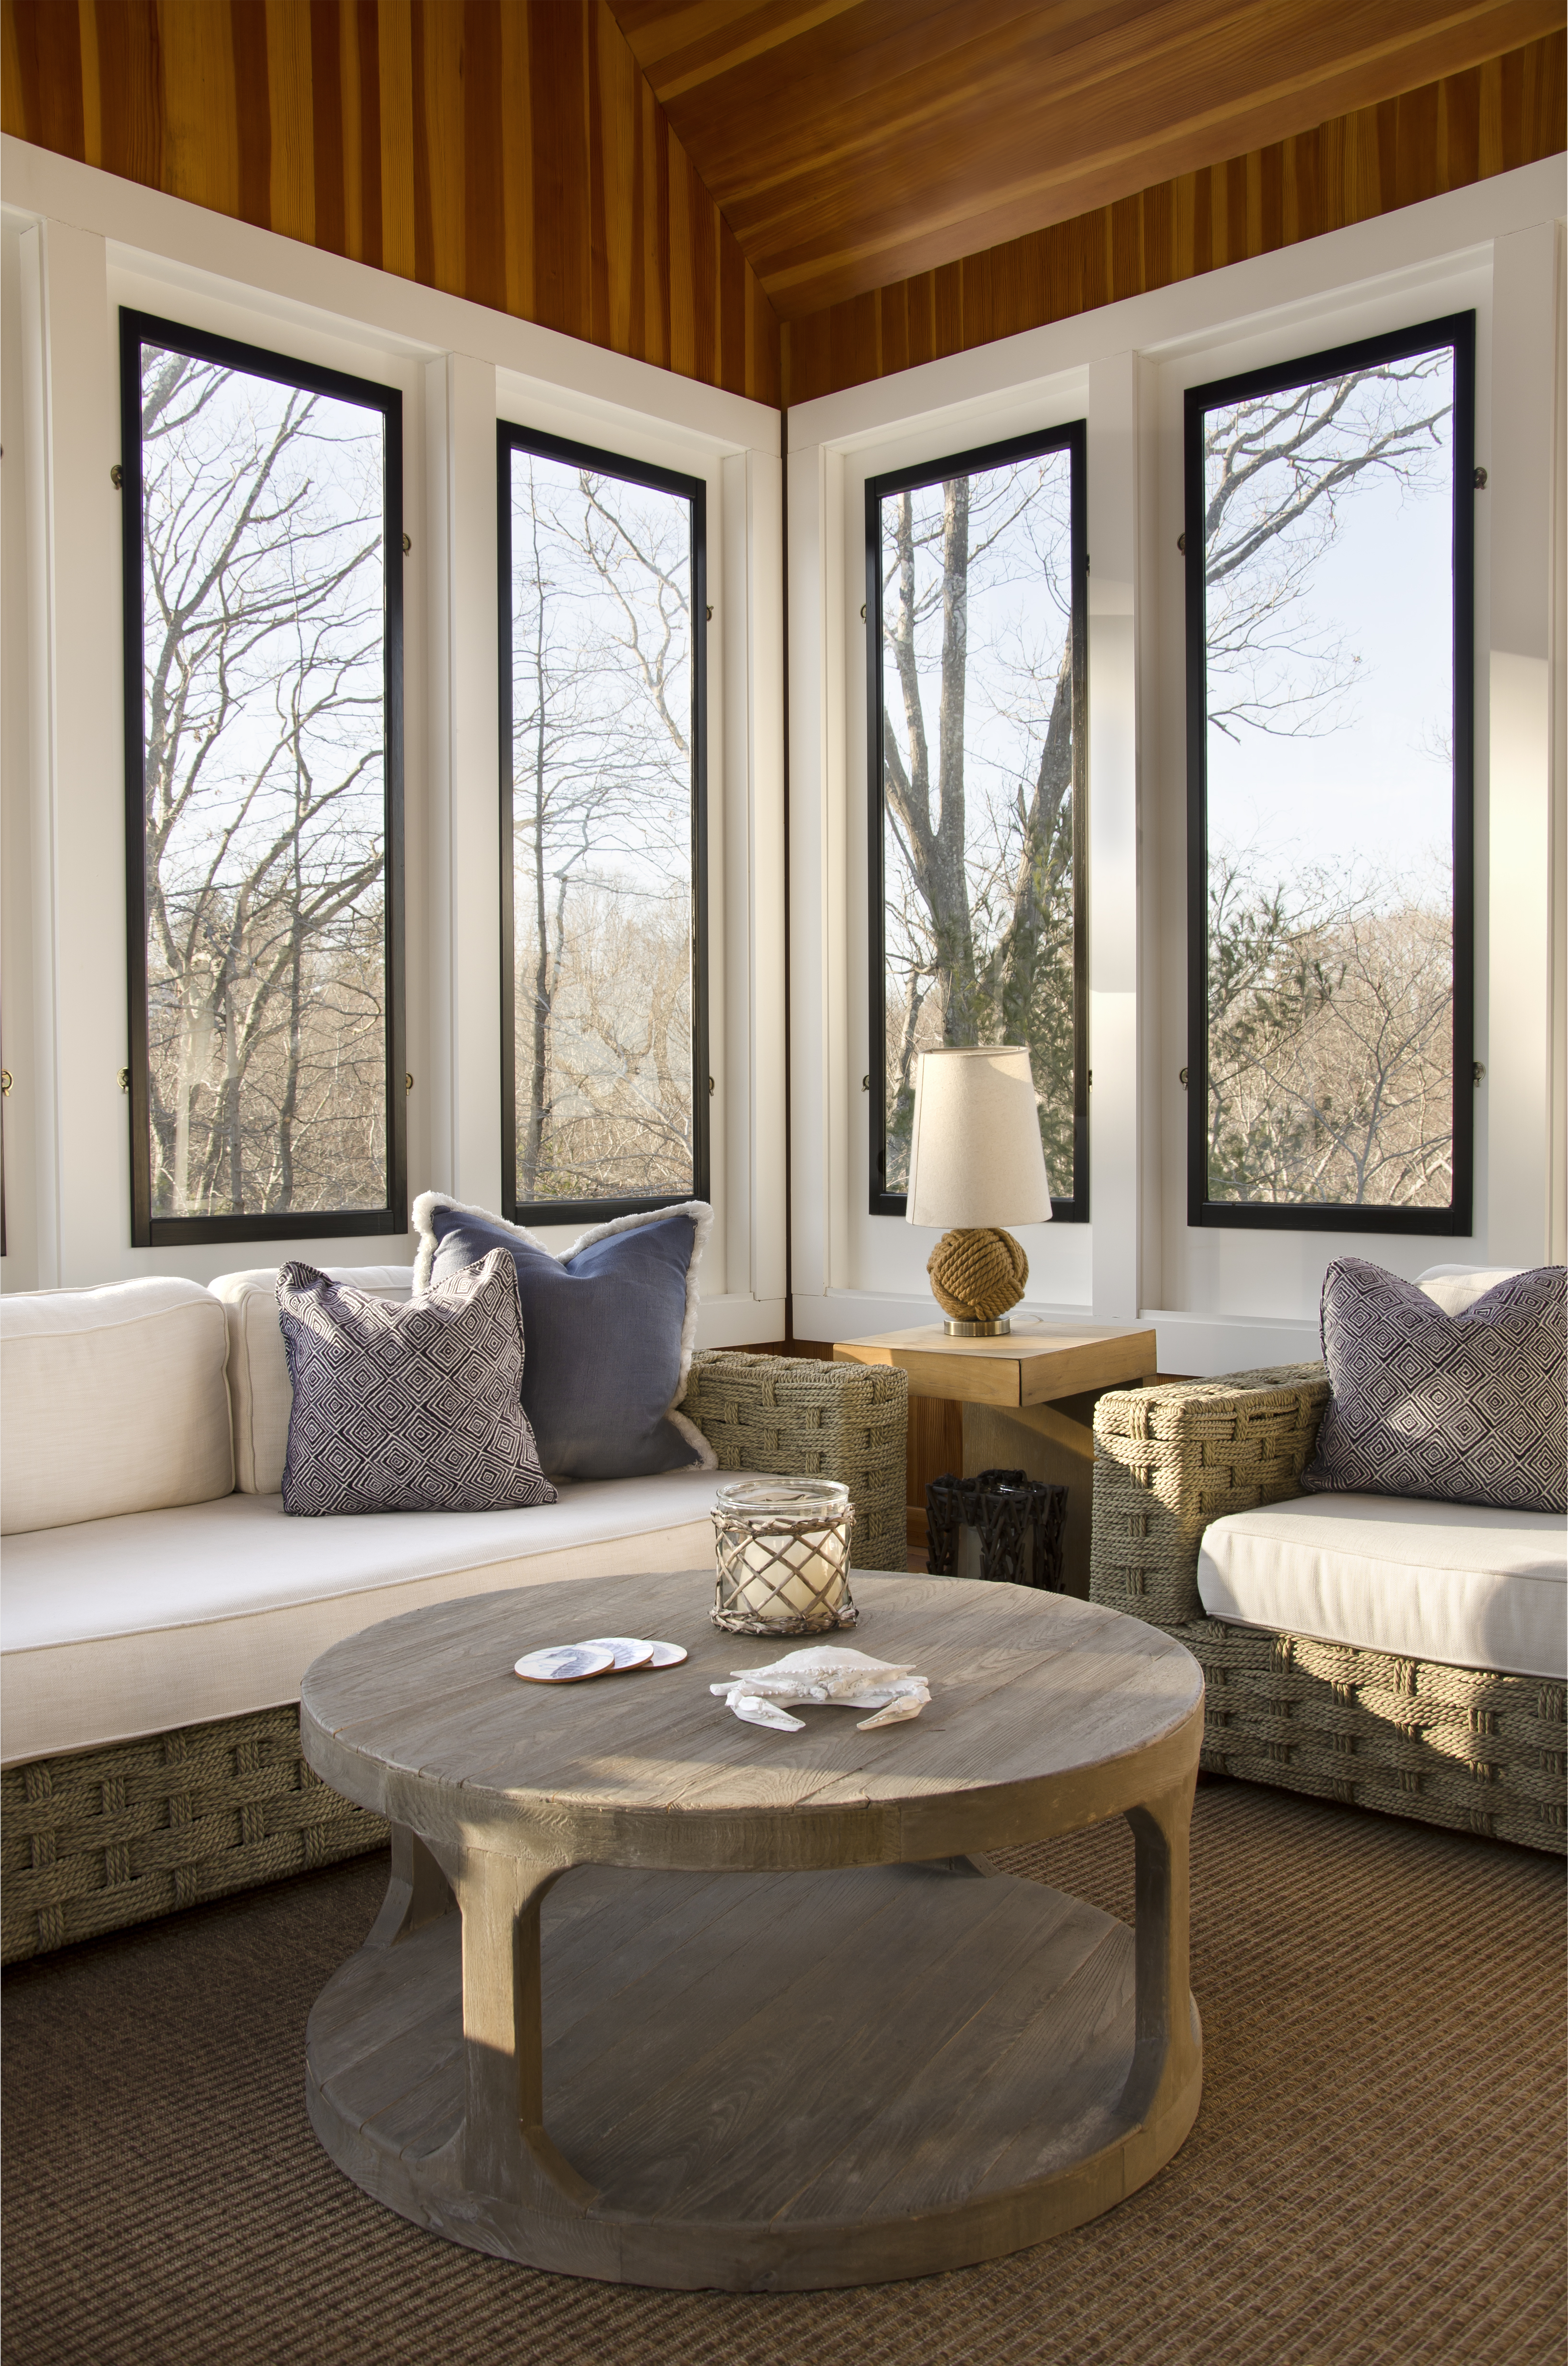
976, 1276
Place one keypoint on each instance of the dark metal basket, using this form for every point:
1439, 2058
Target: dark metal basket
1019, 1520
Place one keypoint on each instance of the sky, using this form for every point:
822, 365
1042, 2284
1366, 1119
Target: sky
1372, 787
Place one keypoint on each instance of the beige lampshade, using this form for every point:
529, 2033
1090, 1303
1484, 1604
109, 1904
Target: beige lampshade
975, 1154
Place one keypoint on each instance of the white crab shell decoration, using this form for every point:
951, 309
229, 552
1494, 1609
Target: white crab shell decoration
849, 1679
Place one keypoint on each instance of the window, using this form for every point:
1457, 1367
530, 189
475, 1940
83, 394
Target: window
263, 622
1329, 606
978, 609
604, 1027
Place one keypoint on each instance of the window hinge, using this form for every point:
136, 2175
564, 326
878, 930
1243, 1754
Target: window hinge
116, 476
1481, 480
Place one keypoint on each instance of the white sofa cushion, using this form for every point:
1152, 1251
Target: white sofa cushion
1456, 1287
1454, 1582
258, 1369
169, 1619
112, 1401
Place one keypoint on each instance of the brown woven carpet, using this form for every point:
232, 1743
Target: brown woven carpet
1375, 2174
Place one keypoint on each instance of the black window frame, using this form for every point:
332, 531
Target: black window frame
1458, 331
511, 437
1072, 438
391, 1218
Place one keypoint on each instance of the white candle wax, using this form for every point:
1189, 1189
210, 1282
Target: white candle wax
813, 1581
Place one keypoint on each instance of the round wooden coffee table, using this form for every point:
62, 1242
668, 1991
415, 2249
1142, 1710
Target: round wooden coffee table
771, 2031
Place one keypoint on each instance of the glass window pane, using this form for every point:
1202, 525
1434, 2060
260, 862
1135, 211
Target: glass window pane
979, 766
604, 769
1328, 682
264, 720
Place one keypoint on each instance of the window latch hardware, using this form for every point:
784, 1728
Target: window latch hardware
6, 1080
116, 476
1477, 1071
1181, 542
712, 1087
1481, 480
865, 1084
125, 1080
407, 546
1183, 1080
709, 612
862, 612
408, 1082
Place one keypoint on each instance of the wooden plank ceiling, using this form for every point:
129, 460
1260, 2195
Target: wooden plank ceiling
851, 143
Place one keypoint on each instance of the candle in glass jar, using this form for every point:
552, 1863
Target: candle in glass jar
814, 1581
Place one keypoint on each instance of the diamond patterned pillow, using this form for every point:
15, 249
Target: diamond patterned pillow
1464, 1408
410, 1407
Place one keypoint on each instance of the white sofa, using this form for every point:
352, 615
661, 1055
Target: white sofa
1399, 1653
160, 1610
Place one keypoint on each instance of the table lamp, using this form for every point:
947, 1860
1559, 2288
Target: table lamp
975, 1164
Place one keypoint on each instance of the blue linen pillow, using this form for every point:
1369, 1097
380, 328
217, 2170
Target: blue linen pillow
407, 1407
609, 1327
1467, 1408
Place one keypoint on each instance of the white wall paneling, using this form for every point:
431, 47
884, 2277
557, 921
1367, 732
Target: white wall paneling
78, 245
1522, 497
1221, 1298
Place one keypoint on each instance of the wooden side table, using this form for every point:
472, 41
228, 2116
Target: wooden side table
1024, 1401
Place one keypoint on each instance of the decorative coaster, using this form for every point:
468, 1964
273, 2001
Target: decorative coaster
668, 1655
626, 1651
564, 1663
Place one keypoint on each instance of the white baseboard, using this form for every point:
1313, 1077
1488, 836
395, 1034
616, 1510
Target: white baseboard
1208, 1345
734, 1321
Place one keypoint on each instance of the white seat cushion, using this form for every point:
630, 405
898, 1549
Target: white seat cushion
112, 1401
168, 1619
1454, 1582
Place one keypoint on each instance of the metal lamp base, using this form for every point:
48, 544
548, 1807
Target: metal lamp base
999, 1329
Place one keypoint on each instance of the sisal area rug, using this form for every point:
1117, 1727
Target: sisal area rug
1376, 2173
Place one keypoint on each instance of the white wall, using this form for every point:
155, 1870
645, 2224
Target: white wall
76, 245
1221, 1298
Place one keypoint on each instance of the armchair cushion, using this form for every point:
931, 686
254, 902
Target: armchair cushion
1453, 1583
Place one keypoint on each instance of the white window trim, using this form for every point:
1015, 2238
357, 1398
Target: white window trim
855, 1273
89, 241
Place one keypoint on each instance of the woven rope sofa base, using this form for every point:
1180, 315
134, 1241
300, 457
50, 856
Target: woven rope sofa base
1455, 1746
123, 1835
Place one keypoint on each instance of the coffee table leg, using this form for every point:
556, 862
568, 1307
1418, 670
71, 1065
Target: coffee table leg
506, 2150
1166, 2054
417, 1893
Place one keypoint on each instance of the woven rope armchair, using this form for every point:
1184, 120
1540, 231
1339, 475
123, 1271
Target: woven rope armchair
106, 1838
1456, 1746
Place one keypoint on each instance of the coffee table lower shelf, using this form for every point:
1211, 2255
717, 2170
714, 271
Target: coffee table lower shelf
765, 2081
